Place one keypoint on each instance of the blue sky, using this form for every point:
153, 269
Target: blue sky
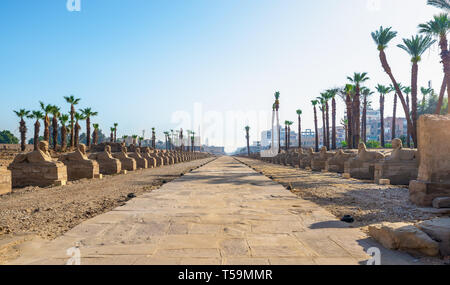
136, 62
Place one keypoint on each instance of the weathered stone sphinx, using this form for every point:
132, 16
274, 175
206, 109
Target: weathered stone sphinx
127, 162
79, 166
5, 180
107, 163
37, 168
159, 159
151, 161
141, 162
400, 167
319, 159
433, 179
363, 165
336, 163
305, 160
167, 160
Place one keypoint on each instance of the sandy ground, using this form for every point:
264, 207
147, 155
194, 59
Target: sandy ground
50, 212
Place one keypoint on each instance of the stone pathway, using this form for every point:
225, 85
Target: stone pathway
222, 213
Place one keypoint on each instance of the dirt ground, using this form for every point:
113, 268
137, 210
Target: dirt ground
50, 212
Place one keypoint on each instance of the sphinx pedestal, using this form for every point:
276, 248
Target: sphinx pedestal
77, 170
433, 179
40, 174
5, 180
398, 172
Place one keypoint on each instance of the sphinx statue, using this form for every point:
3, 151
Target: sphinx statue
400, 167
307, 157
79, 166
37, 168
151, 161
319, 160
363, 165
141, 162
336, 162
158, 157
108, 165
127, 162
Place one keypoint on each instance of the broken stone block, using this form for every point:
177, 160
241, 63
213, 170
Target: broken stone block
37, 168
400, 167
319, 160
433, 179
140, 161
384, 181
5, 180
404, 237
79, 166
363, 165
439, 230
441, 202
336, 163
127, 162
108, 165
305, 162
346, 175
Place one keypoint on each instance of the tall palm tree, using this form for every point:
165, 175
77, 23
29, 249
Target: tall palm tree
415, 47
73, 102
37, 115
154, 138
88, 113
383, 91
348, 92
366, 92
299, 115
134, 139
322, 109
439, 27
315, 103
277, 108
63, 119
140, 141
111, 139
124, 137
286, 135
357, 80
22, 113
394, 111
78, 117
332, 94
382, 37
95, 134
47, 109
443, 4
425, 92
115, 131
247, 137
327, 97
56, 113
407, 91
289, 124
193, 140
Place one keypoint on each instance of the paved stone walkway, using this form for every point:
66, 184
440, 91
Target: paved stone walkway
222, 213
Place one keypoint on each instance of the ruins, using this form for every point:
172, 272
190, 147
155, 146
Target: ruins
363, 165
5, 180
400, 167
319, 159
108, 165
141, 162
127, 162
37, 168
305, 161
336, 163
79, 166
151, 161
433, 180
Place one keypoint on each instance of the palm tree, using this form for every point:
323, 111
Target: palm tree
332, 94
357, 80
327, 97
443, 4
439, 27
383, 90
247, 137
366, 93
134, 139
63, 119
37, 115
88, 113
56, 113
382, 38
78, 117
322, 109
115, 131
299, 115
193, 140
407, 91
112, 134
415, 47
73, 102
95, 134
289, 124
140, 141
314, 103
47, 109
277, 108
425, 92
348, 91
394, 112
154, 138
22, 113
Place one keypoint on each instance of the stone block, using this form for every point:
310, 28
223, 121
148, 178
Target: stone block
441, 202
384, 181
5, 180
439, 230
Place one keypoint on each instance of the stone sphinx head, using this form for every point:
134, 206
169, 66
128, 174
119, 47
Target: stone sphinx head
362, 147
397, 144
82, 148
137, 150
146, 150
124, 149
323, 150
108, 149
43, 146
310, 151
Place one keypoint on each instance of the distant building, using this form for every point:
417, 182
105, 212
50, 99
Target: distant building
216, 150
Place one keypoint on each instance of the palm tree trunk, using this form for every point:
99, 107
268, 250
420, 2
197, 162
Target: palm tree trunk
289, 137
279, 132
394, 118
248, 143
388, 70
445, 56
316, 129
63, 138
77, 134
328, 124
23, 133
299, 132
324, 126
55, 132
382, 120
413, 131
72, 127
356, 118
333, 123
37, 126
364, 121
112, 137
95, 137
348, 102
286, 138
441, 96
88, 132
408, 135
115, 135
46, 129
